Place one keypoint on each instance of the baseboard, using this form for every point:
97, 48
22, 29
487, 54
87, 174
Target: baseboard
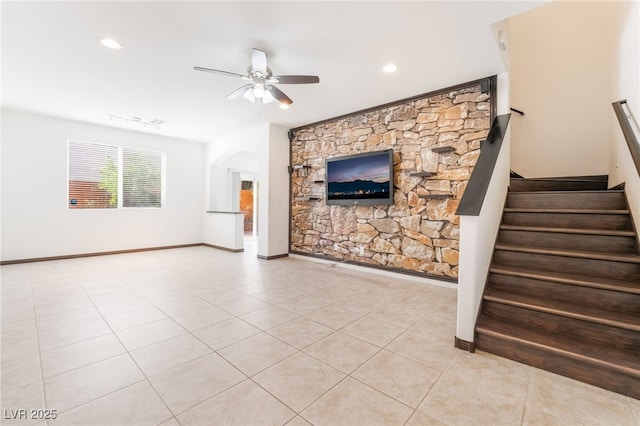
107, 253
223, 248
418, 274
618, 187
101, 253
275, 256
464, 345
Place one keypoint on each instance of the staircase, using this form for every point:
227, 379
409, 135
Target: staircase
563, 292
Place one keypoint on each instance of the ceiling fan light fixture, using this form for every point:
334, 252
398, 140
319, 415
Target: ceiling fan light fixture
248, 95
259, 90
268, 97
262, 81
283, 105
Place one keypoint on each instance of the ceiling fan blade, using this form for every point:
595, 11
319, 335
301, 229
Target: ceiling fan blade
295, 79
227, 73
259, 61
279, 95
240, 91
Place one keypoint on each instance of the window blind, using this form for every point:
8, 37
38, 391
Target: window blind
141, 178
107, 176
93, 176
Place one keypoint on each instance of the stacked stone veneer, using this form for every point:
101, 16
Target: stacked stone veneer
416, 233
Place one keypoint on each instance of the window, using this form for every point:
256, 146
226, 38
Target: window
93, 176
141, 178
109, 176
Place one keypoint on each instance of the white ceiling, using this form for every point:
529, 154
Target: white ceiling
53, 62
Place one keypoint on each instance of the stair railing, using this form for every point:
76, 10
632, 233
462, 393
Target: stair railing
626, 161
480, 212
473, 197
627, 122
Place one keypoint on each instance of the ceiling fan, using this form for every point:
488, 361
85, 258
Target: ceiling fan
262, 81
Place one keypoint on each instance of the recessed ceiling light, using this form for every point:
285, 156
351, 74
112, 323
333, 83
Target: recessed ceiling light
110, 43
389, 68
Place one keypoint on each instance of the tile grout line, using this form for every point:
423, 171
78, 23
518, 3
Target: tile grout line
214, 351
174, 415
349, 375
441, 372
380, 351
264, 331
35, 317
633, 415
526, 397
194, 290
234, 316
298, 351
145, 378
35, 321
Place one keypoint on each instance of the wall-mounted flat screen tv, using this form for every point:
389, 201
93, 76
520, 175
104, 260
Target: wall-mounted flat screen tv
361, 179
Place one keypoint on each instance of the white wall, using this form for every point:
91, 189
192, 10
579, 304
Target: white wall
626, 79
560, 66
224, 230
478, 233
626, 85
35, 219
221, 165
477, 239
278, 193
270, 144
241, 151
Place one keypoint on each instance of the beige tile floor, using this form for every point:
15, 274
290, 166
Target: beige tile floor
198, 336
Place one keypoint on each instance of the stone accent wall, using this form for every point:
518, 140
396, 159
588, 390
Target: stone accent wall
420, 231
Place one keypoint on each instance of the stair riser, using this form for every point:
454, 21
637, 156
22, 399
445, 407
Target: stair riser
582, 331
570, 265
617, 222
595, 297
609, 200
560, 364
558, 240
520, 185
561, 323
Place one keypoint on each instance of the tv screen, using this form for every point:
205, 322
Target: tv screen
362, 179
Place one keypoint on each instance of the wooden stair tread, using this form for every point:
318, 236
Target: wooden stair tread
583, 191
571, 211
576, 183
564, 283
582, 254
569, 230
580, 312
596, 179
570, 279
599, 355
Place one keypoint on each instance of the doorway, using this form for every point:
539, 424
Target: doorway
248, 205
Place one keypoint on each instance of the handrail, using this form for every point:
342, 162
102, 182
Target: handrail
517, 110
473, 196
627, 130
